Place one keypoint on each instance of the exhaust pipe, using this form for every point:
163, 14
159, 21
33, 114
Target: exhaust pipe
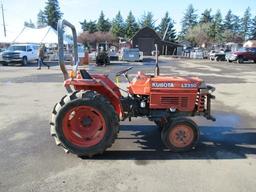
156, 67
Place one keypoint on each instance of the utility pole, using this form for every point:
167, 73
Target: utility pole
3, 17
166, 30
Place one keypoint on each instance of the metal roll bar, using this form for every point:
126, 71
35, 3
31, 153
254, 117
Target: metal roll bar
60, 28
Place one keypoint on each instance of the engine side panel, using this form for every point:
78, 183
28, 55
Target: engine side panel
180, 101
167, 92
174, 92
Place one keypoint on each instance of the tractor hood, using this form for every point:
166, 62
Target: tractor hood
144, 84
175, 82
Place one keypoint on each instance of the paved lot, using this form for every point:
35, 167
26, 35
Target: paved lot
223, 161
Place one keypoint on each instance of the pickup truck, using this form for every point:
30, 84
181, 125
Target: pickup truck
243, 54
19, 53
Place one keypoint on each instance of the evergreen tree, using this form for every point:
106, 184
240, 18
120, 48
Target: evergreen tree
228, 21
90, 26
52, 12
41, 19
131, 26
246, 22
103, 24
29, 24
147, 20
167, 22
253, 28
206, 16
236, 24
218, 27
118, 26
189, 20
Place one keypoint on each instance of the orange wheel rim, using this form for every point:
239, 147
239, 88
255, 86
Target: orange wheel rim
181, 136
84, 126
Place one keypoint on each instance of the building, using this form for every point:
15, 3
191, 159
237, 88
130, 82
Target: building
146, 38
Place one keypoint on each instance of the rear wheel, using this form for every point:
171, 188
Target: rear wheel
180, 134
84, 123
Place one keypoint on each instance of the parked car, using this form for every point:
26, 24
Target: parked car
2, 49
19, 53
217, 55
243, 54
112, 53
133, 54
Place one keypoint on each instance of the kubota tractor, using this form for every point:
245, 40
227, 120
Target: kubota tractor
86, 120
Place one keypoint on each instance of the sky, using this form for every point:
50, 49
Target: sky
18, 11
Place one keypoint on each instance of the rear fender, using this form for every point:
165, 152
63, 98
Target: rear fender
102, 88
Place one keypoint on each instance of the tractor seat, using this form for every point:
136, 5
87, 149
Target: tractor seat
85, 74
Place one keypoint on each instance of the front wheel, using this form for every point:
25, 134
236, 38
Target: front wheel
180, 134
240, 60
84, 123
24, 61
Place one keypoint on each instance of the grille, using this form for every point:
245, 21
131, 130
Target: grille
10, 55
170, 100
184, 102
177, 101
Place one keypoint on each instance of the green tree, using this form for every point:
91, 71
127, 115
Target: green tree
228, 21
246, 23
147, 20
131, 26
200, 34
162, 28
189, 19
253, 28
118, 26
103, 24
90, 26
206, 16
217, 27
41, 19
232, 28
52, 12
29, 24
236, 24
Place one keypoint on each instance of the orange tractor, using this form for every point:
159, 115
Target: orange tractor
86, 120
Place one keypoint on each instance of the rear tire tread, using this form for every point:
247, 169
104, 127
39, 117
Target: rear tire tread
86, 95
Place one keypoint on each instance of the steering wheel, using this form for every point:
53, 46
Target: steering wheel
123, 71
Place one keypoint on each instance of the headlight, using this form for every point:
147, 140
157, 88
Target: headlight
205, 89
203, 85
